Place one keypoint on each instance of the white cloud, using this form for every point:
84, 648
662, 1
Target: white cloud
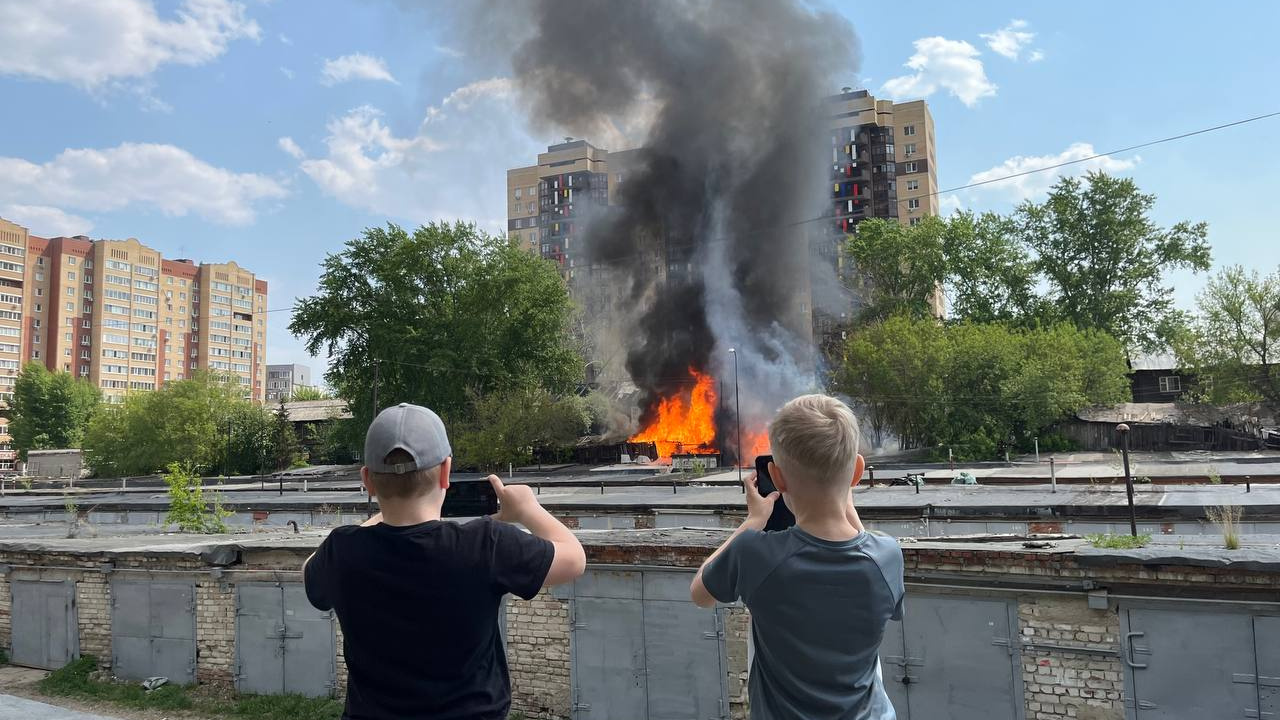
46, 221
451, 52
161, 177
286, 72
92, 43
1035, 56
1010, 39
1026, 186
943, 64
443, 169
288, 145
948, 204
284, 39
356, 66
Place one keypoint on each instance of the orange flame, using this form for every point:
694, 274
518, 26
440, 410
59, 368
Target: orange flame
753, 444
685, 422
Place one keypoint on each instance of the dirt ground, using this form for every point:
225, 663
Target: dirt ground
21, 682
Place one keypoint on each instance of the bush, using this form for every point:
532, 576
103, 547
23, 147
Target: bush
187, 507
1118, 542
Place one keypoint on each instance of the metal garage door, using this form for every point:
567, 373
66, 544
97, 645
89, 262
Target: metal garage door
953, 658
641, 649
43, 618
153, 630
283, 645
1266, 644
1197, 663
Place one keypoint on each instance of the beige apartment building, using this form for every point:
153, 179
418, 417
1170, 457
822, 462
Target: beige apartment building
13, 252
117, 314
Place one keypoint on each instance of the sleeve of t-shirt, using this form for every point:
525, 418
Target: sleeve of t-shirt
727, 576
316, 577
521, 560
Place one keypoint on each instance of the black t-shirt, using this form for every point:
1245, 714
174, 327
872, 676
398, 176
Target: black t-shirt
418, 607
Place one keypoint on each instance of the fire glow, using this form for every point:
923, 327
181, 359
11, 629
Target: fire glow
684, 422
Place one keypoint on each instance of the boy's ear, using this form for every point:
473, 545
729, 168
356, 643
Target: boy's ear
775, 474
444, 472
858, 467
364, 480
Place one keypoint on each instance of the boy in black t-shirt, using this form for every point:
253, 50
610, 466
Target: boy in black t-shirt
418, 597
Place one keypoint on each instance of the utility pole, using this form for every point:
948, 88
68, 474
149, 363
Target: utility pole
737, 414
1123, 429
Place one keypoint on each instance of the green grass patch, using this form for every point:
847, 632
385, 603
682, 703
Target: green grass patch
75, 680
1118, 542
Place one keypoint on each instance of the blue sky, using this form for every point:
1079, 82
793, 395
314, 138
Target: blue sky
271, 132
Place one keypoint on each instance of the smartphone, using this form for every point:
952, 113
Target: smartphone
469, 497
782, 518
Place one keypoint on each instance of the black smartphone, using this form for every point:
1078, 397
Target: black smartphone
469, 497
782, 518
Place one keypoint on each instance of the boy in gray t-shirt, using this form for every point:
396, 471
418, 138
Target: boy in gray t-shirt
820, 592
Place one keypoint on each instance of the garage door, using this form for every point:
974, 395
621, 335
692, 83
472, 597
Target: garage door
642, 649
953, 657
153, 630
283, 645
43, 618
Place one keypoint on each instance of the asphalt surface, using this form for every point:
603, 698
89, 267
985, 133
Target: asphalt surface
16, 708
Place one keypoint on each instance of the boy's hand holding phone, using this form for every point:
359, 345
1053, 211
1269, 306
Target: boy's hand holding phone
516, 503
759, 507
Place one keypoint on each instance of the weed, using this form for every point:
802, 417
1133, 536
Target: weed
1214, 477
1118, 542
1144, 480
76, 680
25, 483
1227, 518
187, 506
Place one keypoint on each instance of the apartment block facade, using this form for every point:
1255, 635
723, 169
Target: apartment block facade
117, 314
284, 380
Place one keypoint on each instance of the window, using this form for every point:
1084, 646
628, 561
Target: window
39, 292
36, 322
39, 276
908, 129
71, 292
911, 167
910, 149
71, 307
915, 221
38, 307
40, 261
913, 184
1170, 384
913, 204
519, 192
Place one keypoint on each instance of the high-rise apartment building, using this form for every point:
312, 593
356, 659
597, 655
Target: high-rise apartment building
284, 380
13, 252
117, 314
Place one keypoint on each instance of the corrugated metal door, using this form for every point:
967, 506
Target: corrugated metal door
1266, 643
309, 657
608, 647
283, 645
259, 647
153, 630
961, 662
1186, 664
682, 644
44, 629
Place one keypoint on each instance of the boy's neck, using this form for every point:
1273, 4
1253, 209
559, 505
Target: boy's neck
825, 519
409, 512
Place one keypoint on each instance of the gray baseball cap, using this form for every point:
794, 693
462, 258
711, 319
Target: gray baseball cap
411, 428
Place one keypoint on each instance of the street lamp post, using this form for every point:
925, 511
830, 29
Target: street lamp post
737, 413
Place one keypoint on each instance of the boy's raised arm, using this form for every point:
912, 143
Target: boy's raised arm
758, 511
517, 504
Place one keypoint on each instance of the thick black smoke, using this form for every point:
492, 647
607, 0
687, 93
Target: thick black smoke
733, 159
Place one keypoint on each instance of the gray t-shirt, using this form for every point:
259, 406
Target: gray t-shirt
818, 611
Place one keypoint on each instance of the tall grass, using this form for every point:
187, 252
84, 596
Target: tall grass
1227, 518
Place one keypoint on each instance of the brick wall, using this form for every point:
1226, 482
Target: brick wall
93, 610
737, 625
1061, 684
538, 656
6, 613
215, 632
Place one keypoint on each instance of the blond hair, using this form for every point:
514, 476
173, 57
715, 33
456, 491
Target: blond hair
815, 439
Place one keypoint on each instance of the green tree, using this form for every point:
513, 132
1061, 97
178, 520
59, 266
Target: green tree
510, 426
990, 275
1103, 259
440, 315
977, 387
1235, 338
50, 410
197, 420
188, 508
899, 269
284, 441
304, 393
